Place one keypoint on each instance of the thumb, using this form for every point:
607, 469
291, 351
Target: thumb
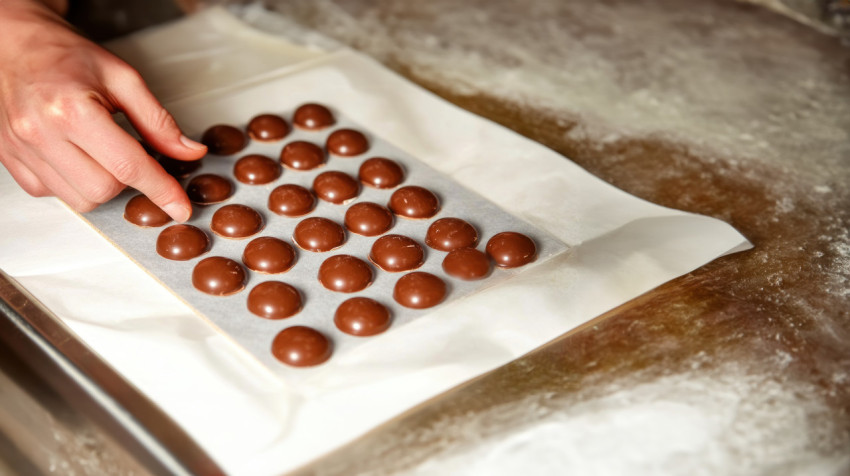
152, 121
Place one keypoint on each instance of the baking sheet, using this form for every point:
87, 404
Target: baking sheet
229, 313
249, 420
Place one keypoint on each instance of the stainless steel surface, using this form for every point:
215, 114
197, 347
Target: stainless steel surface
77, 397
40, 433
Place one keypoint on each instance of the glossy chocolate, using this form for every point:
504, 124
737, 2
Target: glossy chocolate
267, 128
345, 274
419, 290
361, 316
395, 253
274, 300
236, 221
223, 139
468, 264
510, 249
141, 211
414, 202
291, 200
256, 169
336, 187
182, 242
301, 346
207, 189
379, 172
302, 155
368, 219
268, 255
179, 169
347, 143
318, 234
313, 117
218, 276
447, 234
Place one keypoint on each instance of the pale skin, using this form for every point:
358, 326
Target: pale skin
58, 91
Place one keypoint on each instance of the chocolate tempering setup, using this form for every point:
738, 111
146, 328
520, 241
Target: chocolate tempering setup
374, 280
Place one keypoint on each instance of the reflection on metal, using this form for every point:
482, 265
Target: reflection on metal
92, 387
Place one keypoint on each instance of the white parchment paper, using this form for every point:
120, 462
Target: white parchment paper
255, 423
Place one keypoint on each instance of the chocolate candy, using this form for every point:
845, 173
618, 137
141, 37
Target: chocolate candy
345, 274
182, 242
313, 117
318, 234
336, 187
223, 139
468, 264
368, 219
379, 172
268, 255
510, 249
256, 169
179, 169
419, 290
396, 253
236, 221
361, 316
347, 143
291, 200
207, 189
301, 346
302, 155
447, 234
218, 276
141, 211
267, 128
274, 300
414, 202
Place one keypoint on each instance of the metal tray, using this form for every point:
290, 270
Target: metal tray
91, 387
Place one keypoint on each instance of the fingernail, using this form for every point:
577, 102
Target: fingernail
191, 144
178, 212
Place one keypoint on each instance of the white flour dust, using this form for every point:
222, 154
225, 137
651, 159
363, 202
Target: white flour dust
585, 59
725, 423
742, 93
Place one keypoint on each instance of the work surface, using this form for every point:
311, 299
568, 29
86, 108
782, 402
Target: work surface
718, 108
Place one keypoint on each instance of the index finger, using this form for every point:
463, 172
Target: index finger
125, 158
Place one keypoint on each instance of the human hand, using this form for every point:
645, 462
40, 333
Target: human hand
57, 136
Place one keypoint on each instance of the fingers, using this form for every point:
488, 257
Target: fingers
153, 122
126, 160
39, 179
81, 172
64, 142
56, 132
27, 180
